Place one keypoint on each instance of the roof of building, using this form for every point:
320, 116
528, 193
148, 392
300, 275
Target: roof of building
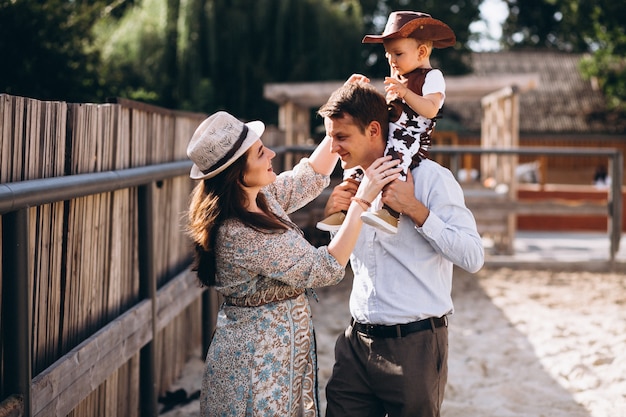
554, 98
562, 102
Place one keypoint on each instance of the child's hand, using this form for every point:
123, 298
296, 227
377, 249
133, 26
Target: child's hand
395, 87
356, 78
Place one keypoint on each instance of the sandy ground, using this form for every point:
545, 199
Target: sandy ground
522, 343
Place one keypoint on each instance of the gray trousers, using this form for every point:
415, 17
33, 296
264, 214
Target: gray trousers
397, 377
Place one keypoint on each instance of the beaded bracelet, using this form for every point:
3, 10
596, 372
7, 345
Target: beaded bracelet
361, 201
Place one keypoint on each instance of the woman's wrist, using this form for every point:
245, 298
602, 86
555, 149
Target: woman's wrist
362, 202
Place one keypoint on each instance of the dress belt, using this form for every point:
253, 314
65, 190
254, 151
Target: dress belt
399, 330
263, 297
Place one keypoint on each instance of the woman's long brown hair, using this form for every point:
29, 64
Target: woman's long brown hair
217, 199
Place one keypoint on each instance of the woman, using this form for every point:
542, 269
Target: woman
262, 359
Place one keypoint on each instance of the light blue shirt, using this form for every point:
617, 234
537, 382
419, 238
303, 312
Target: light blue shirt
404, 277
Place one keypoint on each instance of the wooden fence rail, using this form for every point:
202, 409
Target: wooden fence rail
511, 205
60, 387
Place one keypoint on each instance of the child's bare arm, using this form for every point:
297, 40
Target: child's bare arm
426, 106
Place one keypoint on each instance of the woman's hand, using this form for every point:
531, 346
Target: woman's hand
380, 173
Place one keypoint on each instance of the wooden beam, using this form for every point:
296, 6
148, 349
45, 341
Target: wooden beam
561, 207
314, 94
63, 385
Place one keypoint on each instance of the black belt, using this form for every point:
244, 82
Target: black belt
399, 330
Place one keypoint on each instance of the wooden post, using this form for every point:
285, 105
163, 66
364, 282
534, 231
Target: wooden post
500, 129
616, 166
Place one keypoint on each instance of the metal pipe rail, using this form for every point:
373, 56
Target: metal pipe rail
24, 194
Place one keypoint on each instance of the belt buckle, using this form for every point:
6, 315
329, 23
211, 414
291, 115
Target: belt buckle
370, 329
365, 328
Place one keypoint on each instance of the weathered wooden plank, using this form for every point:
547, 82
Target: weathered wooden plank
73, 376
59, 388
175, 296
92, 288
544, 207
6, 136
17, 151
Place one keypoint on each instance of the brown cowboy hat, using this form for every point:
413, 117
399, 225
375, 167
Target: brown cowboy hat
416, 25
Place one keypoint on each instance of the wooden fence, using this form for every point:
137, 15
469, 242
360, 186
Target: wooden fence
99, 313
493, 210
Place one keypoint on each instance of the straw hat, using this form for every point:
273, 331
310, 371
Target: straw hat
218, 142
416, 25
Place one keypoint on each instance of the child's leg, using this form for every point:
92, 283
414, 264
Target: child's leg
355, 174
386, 218
399, 145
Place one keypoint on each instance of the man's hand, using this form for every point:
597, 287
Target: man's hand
400, 196
339, 199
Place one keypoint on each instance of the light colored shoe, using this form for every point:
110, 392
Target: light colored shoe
332, 223
381, 219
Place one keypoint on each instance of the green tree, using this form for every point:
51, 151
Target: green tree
226, 50
203, 55
132, 50
45, 49
256, 42
200, 55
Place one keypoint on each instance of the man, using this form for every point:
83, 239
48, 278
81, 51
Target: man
392, 358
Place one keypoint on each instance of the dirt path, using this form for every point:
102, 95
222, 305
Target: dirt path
522, 344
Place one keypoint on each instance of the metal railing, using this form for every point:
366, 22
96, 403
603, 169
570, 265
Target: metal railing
616, 171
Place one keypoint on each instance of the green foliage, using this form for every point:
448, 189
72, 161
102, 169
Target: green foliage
241, 45
201, 55
131, 51
608, 62
45, 49
609, 70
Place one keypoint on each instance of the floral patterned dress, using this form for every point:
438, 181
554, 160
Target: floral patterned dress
262, 360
